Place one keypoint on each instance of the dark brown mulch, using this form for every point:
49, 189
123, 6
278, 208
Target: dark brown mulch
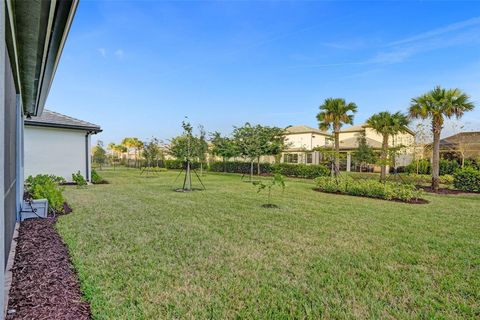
446, 191
413, 201
44, 285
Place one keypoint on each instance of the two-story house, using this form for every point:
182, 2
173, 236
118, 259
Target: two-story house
405, 143
301, 142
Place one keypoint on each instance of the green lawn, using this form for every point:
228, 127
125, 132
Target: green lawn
145, 252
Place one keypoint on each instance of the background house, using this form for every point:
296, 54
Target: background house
32, 35
460, 146
349, 142
58, 144
301, 141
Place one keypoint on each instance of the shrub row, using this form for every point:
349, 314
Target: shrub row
467, 179
425, 167
179, 164
286, 169
370, 188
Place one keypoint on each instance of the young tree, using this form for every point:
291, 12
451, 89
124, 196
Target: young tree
334, 112
364, 154
437, 105
152, 152
223, 147
387, 125
248, 143
272, 142
202, 147
99, 154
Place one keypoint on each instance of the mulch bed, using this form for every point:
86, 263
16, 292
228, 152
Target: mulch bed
413, 201
44, 284
446, 191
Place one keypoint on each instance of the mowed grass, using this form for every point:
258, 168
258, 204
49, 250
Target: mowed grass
143, 251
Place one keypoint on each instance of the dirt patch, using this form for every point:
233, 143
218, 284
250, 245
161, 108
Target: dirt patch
44, 285
270, 206
413, 201
446, 191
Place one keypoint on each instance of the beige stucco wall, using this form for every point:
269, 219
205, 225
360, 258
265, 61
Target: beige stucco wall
55, 151
306, 141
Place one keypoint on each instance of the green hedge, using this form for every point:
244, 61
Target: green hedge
239, 167
301, 170
369, 188
467, 179
286, 169
425, 167
179, 164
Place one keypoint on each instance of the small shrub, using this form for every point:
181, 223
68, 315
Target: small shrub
422, 166
467, 179
79, 179
96, 178
448, 166
369, 188
48, 187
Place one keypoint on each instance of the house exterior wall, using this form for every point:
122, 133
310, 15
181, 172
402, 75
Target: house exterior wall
307, 141
55, 151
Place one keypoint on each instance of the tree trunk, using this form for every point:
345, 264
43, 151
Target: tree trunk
436, 154
383, 171
251, 170
258, 165
337, 149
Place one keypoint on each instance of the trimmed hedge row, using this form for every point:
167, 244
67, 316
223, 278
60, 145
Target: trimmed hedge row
370, 188
286, 169
179, 164
239, 167
467, 179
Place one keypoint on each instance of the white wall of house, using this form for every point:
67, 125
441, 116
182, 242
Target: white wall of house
55, 151
306, 141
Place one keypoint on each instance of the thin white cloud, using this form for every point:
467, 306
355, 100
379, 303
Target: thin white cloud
438, 32
103, 52
119, 53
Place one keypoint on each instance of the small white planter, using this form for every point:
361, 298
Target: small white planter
38, 209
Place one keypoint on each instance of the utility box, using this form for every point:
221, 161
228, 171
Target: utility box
37, 209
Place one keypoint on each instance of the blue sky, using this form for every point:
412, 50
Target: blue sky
137, 68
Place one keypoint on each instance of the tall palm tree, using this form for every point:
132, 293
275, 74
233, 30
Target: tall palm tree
387, 124
334, 112
437, 105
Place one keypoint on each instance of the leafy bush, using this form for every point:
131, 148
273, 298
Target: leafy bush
96, 178
423, 166
467, 179
448, 166
48, 187
369, 188
79, 179
420, 179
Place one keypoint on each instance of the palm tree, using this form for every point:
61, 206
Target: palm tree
436, 105
135, 144
334, 112
387, 124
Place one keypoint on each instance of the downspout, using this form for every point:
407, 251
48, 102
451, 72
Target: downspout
87, 157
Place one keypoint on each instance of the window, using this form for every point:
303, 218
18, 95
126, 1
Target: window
309, 158
290, 158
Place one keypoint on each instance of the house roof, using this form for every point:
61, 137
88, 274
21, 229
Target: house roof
470, 141
352, 143
304, 129
362, 126
355, 128
58, 120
